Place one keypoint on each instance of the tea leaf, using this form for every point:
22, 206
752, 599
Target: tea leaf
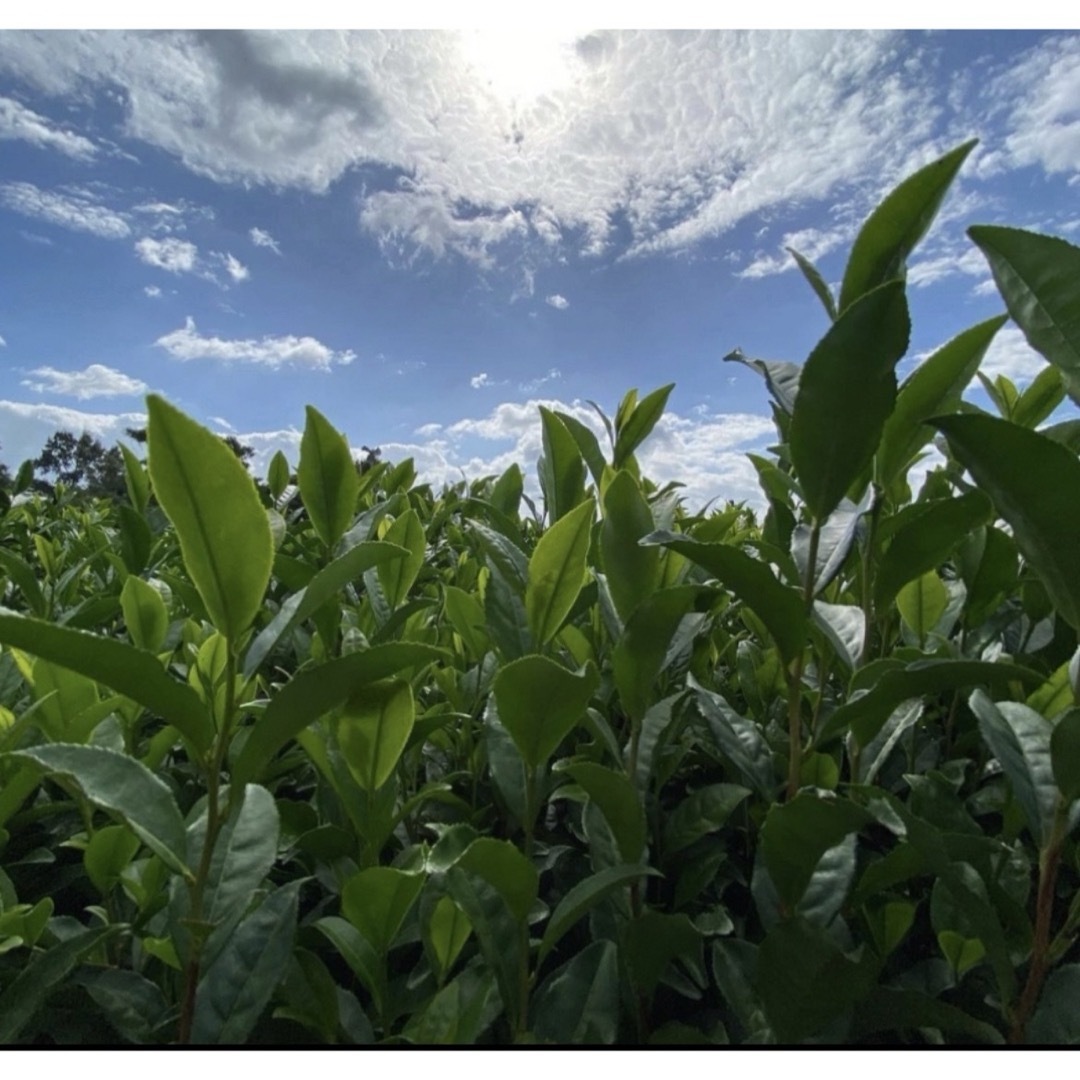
237, 986
850, 373
893, 230
934, 388
636, 427
579, 1003
329, 483
314, 692
633, 570
584, 896
373, 729
145, 615
779, 606
398, 575
212, 502
1065, 754
618, 801
561, 469
125, 788
817, 282
376, 901
326, 584
1033, 482
539, 703
557, 572
1036, 275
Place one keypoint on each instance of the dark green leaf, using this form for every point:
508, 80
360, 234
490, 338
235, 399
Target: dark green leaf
314, 692
458, 1014
778, 606
927, 540
1057, 1019
652, 941
587, 444
850, 373
562, 471
125, 788
634, 430
633, 570
133, 1005
325, 585
1033, 482
26, 994
585, 895
703, 812
579, 1003
886, 1009
376, 901
618, 801
506, 870
1036, 275
1019, 738
805, 981
1040, 399
896, 226
934, 388
22, 575
817, 282
237, 986
797, 834
866, 715
1065, 754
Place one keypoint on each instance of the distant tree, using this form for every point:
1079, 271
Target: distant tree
369, 460
82, 463
5, 478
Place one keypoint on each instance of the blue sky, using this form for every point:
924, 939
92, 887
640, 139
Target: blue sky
426, 235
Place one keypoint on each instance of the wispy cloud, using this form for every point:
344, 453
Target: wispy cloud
478, 381
533, 385
272, 352
19, 122
811, 243
234, 267
153, 291
560, 303
261, 238
97, 380
71, 209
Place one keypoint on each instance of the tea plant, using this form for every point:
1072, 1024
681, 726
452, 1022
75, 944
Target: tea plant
338, 759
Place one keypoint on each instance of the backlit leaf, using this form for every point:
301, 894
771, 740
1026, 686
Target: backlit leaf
329, 483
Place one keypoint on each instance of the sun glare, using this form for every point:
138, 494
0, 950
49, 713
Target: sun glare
519, 65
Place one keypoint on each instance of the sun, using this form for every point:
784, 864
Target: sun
520, 65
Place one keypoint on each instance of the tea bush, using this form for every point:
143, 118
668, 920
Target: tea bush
338, 759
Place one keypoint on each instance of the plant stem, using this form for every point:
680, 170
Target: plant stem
794, 675
1049, 861
213, 827
867, 591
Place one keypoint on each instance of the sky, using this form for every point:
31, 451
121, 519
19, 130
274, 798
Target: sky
428, 234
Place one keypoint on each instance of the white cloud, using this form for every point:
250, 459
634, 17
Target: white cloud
3, 343
72, 209
27, 426
707, 455
426, 431
234, 267
153, 291
560, 303
221, 422
640, 141
176, 256
480, 380
963, 260
97, 380
811, 243
272, 352
19, 122
261, 238
1044, 122
1010, 355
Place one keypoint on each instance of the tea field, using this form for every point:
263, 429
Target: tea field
335, 758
